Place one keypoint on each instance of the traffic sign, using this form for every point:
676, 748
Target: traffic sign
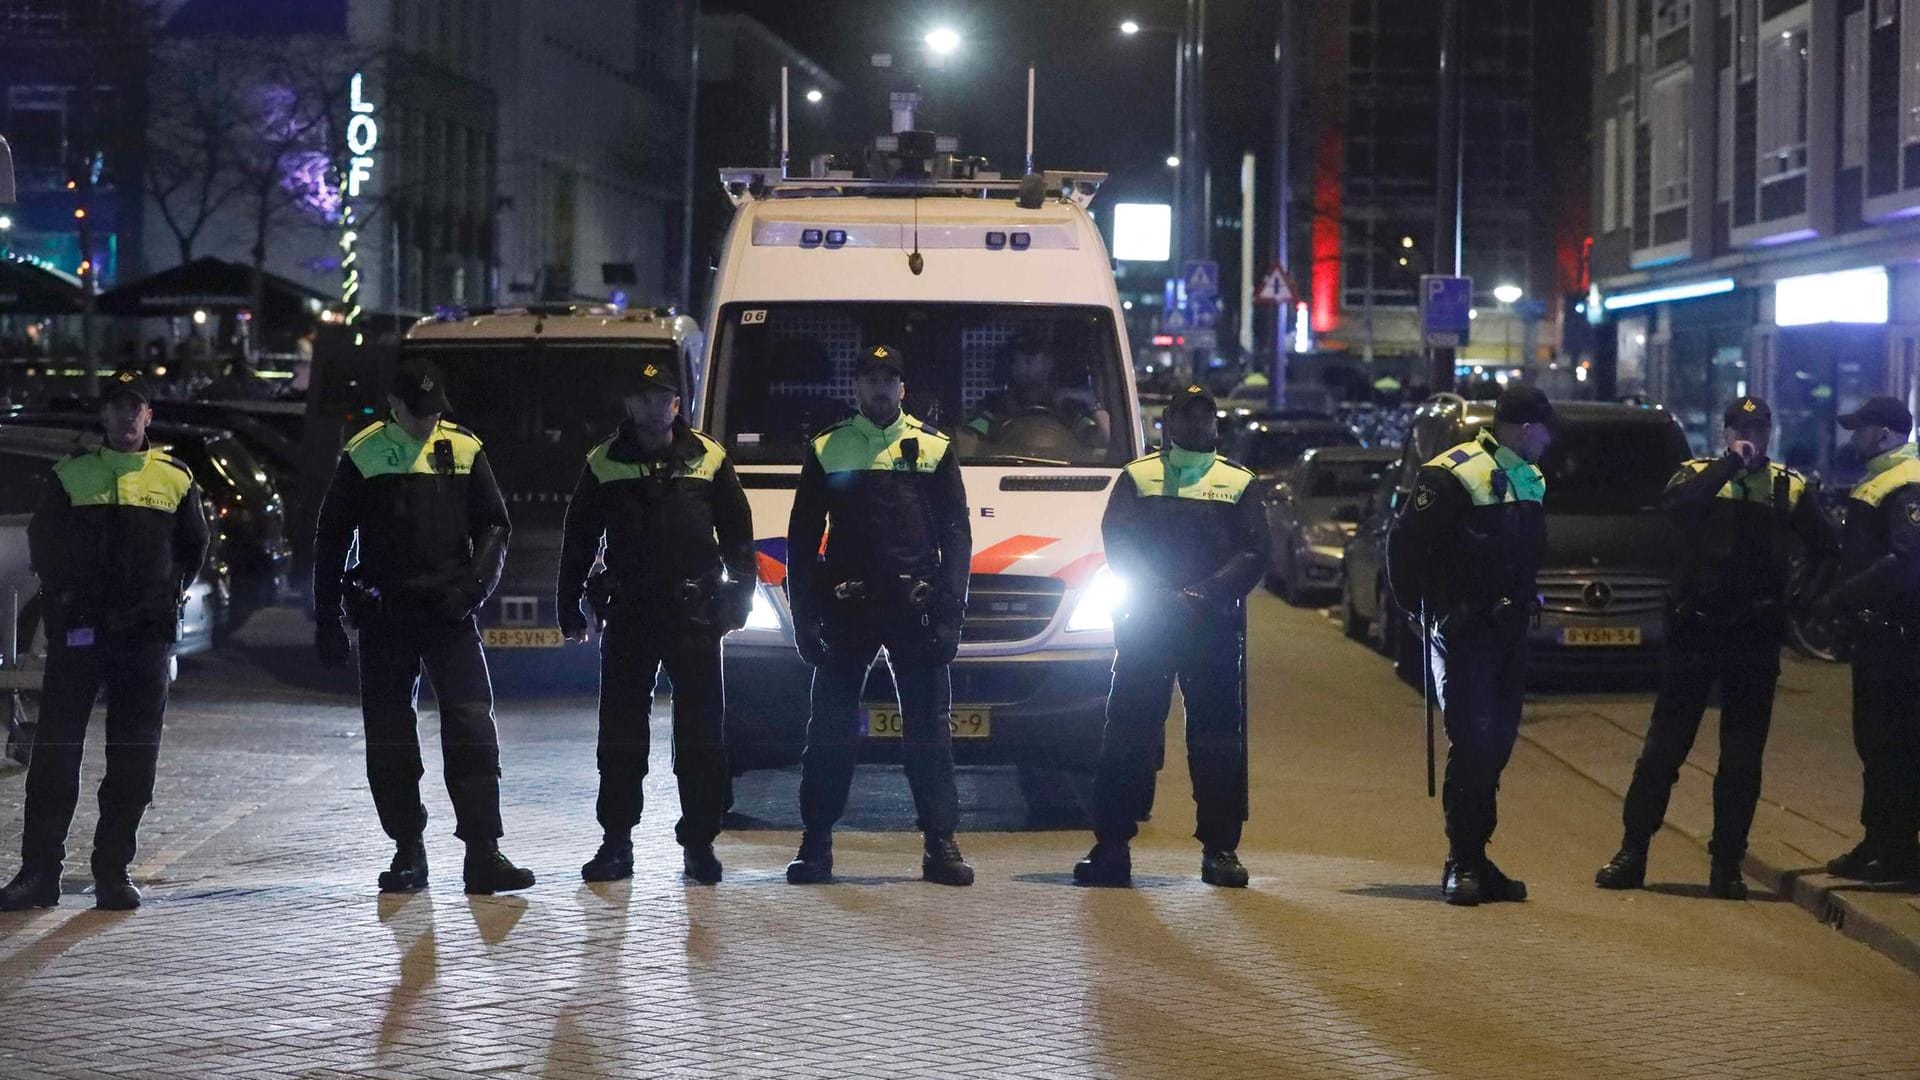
1446, 310
1203, 277
1274, 288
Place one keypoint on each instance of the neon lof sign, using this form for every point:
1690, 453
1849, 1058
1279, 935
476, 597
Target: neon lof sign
363, 136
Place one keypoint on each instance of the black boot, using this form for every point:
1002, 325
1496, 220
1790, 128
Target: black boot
113, 889
1496, 887
1106, 864
1222, 868
32, 887
1626, 870
408, 871
813, 865
1724, 880
613, 862
699, 862
1460, 882
1855, 863
943, 864
488, 872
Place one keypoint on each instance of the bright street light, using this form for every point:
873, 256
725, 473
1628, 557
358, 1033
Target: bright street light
1173, 161
943, 40
814, 97
5, 223
1507, 294
1129, 27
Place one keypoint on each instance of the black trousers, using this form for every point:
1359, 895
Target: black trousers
1207, 658
1744, 660
1886, 733
633, 649
922, 680
392, 654
134, 676
1479, 674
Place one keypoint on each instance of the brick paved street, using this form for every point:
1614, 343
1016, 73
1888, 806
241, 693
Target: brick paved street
265, 951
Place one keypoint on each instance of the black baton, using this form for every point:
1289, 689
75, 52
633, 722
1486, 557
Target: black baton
1426, 687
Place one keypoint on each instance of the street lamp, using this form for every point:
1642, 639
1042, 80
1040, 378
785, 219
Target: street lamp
943, 40
1508, 294
814, 97
1129, 28
1181, 212
6, 222
1173, 161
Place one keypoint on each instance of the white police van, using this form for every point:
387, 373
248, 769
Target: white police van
952, 270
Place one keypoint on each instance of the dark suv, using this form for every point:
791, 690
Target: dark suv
1608, 566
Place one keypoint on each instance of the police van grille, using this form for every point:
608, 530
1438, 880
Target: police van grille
1592, 593
1010, 607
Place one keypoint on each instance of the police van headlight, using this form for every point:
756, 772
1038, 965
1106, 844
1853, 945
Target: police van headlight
764, 615
1097, 604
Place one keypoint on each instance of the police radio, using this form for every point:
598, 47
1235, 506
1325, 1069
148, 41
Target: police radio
443, 457
910, 452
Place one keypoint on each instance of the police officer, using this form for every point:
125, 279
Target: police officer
1463, 553
1030, 391
1741, 518
894, 575
432, 527
679, 575
1189, 538
1880, 590
117, 539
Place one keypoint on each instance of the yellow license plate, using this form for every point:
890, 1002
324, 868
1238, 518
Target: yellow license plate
507, 637
1600, 635
967, 723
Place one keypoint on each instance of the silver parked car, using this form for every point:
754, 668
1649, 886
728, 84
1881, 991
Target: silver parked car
1312, 511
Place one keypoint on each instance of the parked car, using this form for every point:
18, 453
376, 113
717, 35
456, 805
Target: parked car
250, 527
1271, 447
1604, 581
1312, 511
27, 457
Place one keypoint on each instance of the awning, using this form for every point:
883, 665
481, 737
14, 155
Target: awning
27, 288
211, 284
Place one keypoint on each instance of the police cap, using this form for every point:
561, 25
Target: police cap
880, 358
1523, 404
1192, 396
1747, 413
657, 376
128, 384
421, 387
1887, 412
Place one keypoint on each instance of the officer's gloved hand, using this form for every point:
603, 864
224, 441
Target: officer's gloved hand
453, 603
573, 622
807, 638
330, 641
736, 603
947, 618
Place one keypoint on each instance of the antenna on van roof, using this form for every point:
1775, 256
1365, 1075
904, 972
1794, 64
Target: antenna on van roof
783, 121
1029, 118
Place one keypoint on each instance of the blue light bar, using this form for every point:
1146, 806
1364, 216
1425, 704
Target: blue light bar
1021, 241
1691, 291
836, 238
811, 237
996, 241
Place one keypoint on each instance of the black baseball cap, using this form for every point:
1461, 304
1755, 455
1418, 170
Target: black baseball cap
421, 387
1887, 412
1523, 404
656, 376
880, 356
128, 384
1188, 397
1748, 412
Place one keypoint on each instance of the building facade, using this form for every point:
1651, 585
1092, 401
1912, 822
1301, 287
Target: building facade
1756, 204
1365, 155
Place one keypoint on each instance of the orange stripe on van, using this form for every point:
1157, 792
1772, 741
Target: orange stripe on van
996, 559
1076, 573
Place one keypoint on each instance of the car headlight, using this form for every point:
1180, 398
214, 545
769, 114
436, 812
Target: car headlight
763, 615
1095, 610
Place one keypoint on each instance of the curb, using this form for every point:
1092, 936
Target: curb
1849, 907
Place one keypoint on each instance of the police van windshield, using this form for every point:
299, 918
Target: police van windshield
1015, 384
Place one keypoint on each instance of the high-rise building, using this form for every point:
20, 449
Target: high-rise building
1756, 168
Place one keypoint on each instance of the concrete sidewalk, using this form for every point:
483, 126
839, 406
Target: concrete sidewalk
1809, 805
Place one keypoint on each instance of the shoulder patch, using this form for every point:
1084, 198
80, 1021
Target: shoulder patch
175, 462
925, 428
1232, 464
462, 429
1422, 499
1913, 513
1460, 457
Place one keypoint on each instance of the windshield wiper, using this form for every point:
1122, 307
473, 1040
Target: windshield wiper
1016, 459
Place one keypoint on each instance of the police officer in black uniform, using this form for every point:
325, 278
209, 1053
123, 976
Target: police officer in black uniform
894, 575
432, 527
1184, 529
1741, 519
117, 539
1880, 591
1463, 554
679, 575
